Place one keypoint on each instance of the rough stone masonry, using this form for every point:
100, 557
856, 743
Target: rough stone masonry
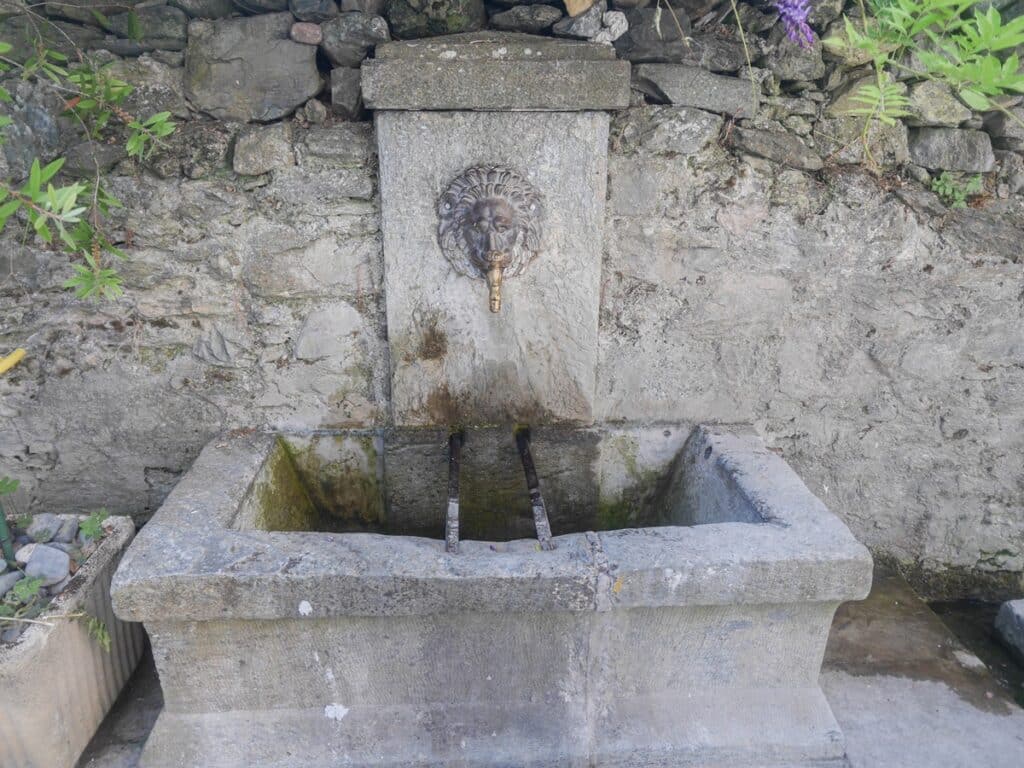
754, 270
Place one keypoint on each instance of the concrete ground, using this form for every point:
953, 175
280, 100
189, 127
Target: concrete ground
906, 692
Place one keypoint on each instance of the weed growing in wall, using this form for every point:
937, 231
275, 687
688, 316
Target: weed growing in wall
69, 215
954, 190
955, 42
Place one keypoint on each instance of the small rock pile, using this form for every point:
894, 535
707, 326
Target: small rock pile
48, 551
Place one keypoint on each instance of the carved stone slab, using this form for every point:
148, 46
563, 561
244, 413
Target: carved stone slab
454, 361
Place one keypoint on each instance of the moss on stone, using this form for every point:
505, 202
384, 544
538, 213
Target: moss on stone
282, 501
346, 491
642, 502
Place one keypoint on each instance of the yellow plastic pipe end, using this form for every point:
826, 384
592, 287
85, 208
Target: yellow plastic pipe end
6, 363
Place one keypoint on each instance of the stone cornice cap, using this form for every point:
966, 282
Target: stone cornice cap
495, 71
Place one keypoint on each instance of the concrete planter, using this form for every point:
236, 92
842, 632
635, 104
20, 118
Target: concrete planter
56, 682
697, 641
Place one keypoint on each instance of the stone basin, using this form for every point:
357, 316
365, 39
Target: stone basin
303, 610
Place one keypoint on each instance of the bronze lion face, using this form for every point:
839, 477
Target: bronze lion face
490, 225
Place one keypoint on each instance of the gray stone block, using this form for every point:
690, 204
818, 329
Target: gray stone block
165, 25
1006, 130
779, 146
695, 87
349, 38
415, 18
267, 74
205, 9
1010, 627
458, 74
664, 130
951, 149
527, 18
314, 11
346, 93
263, 149
495, 46
933, 103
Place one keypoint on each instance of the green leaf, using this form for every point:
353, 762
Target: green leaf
975, 100
134, 27
7, 210
35, 179
103, 20
8, 485
92, 526
27, 589
159, 117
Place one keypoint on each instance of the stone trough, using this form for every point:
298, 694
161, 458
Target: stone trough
304, 612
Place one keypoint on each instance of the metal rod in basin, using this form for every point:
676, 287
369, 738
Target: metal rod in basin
540, 512
451, 521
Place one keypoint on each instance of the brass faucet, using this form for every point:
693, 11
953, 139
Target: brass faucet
497, 261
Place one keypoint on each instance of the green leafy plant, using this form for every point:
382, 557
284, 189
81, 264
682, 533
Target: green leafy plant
885, 102
25, 601
955, 191
26, 590
98, 632
7, 485
69, 215
92, 526
938, 40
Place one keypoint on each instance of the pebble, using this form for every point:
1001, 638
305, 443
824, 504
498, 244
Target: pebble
307, 33
57, 588
68, 531
11, 635
8, 580
315, 111
44, 527
49, 564
613, 26
23, 553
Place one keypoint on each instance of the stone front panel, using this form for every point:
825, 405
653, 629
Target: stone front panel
453, 360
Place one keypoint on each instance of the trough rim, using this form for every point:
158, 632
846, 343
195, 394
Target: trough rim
188, 564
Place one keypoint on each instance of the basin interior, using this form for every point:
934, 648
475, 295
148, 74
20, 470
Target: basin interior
394, 481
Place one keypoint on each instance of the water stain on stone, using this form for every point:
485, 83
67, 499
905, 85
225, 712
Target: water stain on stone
894, 633
433, 341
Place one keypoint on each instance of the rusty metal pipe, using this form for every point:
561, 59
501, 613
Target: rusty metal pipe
540, 512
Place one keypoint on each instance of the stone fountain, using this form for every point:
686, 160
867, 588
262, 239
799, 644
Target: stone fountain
655, 595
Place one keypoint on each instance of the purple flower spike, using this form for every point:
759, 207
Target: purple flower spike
794, 18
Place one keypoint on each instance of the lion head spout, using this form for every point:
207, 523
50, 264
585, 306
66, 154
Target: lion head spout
490, 225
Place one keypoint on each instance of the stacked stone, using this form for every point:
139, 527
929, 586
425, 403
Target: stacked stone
791, 104
262, 60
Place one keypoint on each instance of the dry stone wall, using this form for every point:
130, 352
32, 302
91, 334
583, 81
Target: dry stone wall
760, 266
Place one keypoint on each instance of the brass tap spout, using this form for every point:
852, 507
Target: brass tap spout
495, 273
